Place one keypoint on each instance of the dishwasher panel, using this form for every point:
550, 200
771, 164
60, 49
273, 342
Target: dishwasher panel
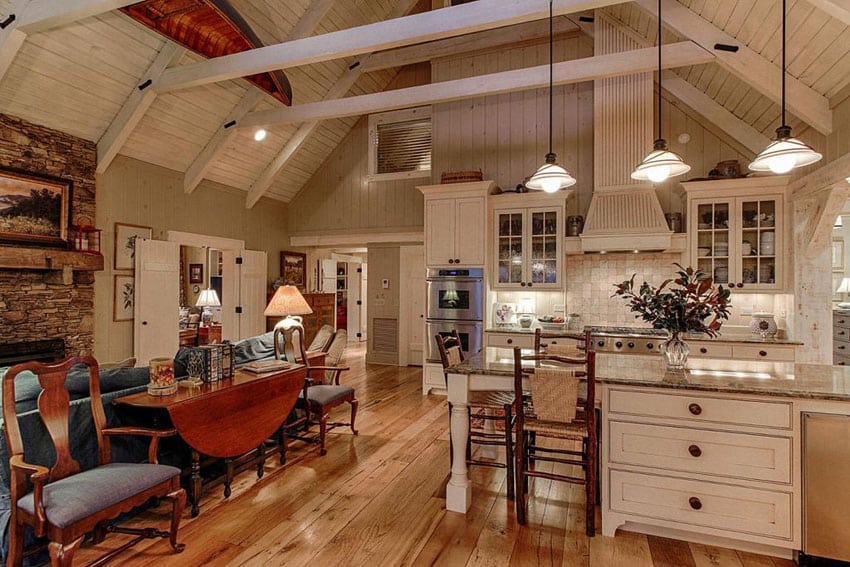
826, 485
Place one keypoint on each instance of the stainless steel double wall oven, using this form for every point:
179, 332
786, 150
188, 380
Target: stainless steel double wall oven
455, 302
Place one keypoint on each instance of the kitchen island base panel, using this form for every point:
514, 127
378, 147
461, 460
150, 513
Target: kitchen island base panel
612, 525
459, 488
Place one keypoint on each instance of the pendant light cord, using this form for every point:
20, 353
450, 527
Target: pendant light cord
551, 62
659, 71
784, 18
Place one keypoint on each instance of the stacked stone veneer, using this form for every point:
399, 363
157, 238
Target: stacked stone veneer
35, 304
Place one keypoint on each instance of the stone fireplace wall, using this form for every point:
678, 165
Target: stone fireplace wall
36, 304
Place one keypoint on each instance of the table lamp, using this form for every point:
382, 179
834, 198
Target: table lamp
844, 287
288, 303
207, 299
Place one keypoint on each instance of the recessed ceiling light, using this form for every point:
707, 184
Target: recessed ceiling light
260, 135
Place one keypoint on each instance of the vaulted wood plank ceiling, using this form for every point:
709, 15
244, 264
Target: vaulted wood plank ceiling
77, 77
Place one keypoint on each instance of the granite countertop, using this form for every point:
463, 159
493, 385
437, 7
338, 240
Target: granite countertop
810, 381
728, 337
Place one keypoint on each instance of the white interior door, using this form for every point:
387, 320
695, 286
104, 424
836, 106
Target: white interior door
244, 275
328, 275
354, 304
364, 320
412, 308
157, 300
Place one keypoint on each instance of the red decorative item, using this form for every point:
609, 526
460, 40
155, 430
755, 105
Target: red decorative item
87, 239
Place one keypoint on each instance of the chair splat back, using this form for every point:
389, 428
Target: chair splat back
451, 349
54, 406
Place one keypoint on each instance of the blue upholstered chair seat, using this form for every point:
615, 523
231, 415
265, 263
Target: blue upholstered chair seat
78, 496
324, 394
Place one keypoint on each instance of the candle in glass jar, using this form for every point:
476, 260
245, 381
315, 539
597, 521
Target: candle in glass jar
162, 381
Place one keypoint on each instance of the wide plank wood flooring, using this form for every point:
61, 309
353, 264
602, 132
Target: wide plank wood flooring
378, 499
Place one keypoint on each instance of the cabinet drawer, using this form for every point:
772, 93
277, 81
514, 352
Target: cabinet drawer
841, 321
708, 350
510, 341
840, 334
725, 507
739, 455
699, 408
841, 348
763, 352
840, 360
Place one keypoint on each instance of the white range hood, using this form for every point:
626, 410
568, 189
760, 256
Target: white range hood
624, 215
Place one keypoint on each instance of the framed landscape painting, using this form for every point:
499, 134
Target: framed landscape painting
293, 269
125, 244
34, 208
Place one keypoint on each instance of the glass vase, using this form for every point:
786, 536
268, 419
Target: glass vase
675, 352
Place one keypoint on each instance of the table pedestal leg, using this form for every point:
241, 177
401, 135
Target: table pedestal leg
195, 483
228, 476
458, 490
261, 460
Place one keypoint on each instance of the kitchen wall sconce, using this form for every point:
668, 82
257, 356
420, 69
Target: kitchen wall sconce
660, 163
550, 177
784, 153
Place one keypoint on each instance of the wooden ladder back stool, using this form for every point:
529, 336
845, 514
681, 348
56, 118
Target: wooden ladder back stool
556, 409
561, 343
451, 354
66, 503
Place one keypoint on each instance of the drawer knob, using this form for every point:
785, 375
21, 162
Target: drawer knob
840, 333
510, 341
841, 347
695, 451
703, 350
451, 261
695, 408
762, 353
841, 321
695, 503
841, 364
457, 260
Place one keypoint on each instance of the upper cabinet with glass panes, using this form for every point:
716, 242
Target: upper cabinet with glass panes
528, 246
737, 232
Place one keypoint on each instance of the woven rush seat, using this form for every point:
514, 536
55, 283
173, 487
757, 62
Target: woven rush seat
490, 400
574, 430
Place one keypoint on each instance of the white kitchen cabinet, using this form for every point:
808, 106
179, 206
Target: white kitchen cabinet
456, 224
722, 465
509, 340
528, 247
737, 232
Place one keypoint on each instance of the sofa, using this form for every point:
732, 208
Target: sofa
114, 383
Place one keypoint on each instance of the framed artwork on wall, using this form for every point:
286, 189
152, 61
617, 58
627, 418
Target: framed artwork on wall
34, 208
196, 273
125, 244
293, 269
124, 297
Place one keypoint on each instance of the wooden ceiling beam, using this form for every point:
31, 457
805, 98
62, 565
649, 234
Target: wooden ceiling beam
418, 28
134, 107
806, 103
339, 89
838, 9
202, 163
575, 71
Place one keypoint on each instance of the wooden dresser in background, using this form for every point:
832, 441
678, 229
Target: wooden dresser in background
841, 338
324, 313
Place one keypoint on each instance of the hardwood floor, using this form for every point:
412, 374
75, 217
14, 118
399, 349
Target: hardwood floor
378, 499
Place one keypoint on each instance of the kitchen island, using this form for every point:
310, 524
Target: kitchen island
711, 455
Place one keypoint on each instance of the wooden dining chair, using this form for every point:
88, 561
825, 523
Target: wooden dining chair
323, 339
555, 409
65, 503
564, 343
493, 407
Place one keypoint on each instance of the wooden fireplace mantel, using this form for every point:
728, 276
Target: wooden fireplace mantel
21, 258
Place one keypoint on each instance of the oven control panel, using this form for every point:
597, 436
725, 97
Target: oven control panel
640, 345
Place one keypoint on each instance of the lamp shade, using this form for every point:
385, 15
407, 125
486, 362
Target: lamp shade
208, 298
844, 287
784, 154
660, 164
550, 177
287, 300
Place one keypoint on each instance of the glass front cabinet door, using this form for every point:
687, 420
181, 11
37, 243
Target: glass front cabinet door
739, 240
528, 245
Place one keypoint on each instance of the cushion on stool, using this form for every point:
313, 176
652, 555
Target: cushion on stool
80, 495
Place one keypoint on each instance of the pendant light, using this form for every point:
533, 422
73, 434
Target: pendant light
660, 163
550, 177
784, 153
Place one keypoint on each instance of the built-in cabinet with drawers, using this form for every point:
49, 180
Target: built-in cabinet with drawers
737, 232
528, 239
456, 223
723, 465
739, 350
841, 338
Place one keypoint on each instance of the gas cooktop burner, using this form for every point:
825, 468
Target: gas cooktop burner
626, 340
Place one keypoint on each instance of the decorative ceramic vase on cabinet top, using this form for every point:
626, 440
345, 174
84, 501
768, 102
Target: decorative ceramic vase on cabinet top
763, 325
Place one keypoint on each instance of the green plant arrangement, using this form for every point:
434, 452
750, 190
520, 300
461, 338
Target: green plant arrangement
689, 303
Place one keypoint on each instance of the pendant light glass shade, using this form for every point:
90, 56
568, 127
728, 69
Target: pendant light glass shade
550, 178
784, 154
660, 164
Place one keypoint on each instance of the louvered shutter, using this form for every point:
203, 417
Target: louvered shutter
404, 146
